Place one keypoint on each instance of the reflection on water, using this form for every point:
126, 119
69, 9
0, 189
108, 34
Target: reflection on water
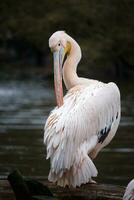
24, 107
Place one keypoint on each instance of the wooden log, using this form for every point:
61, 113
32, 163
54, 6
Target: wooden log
88, 192
85, 192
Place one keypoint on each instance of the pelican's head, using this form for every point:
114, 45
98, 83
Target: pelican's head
59, 46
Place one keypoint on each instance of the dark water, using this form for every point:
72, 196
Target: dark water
24, 107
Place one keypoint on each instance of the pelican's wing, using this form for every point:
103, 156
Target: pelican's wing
88, 113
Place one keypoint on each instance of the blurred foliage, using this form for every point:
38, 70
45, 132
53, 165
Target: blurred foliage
104, 29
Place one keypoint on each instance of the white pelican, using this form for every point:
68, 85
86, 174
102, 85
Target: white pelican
83, 122
129, 192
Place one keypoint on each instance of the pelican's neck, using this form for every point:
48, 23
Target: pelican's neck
70, 76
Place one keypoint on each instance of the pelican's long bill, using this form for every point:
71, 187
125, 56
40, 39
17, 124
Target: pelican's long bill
58, 58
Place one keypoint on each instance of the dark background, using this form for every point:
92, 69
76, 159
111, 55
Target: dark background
104, 29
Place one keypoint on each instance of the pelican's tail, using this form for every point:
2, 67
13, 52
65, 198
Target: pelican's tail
83, 171
83, 167
80, 172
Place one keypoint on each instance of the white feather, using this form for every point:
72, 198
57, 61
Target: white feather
71, 131
129, 192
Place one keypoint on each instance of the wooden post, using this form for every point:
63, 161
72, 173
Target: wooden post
19, 186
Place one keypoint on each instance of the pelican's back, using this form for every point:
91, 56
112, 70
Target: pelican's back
85, 123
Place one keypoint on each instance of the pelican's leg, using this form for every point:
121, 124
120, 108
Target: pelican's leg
95, 151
